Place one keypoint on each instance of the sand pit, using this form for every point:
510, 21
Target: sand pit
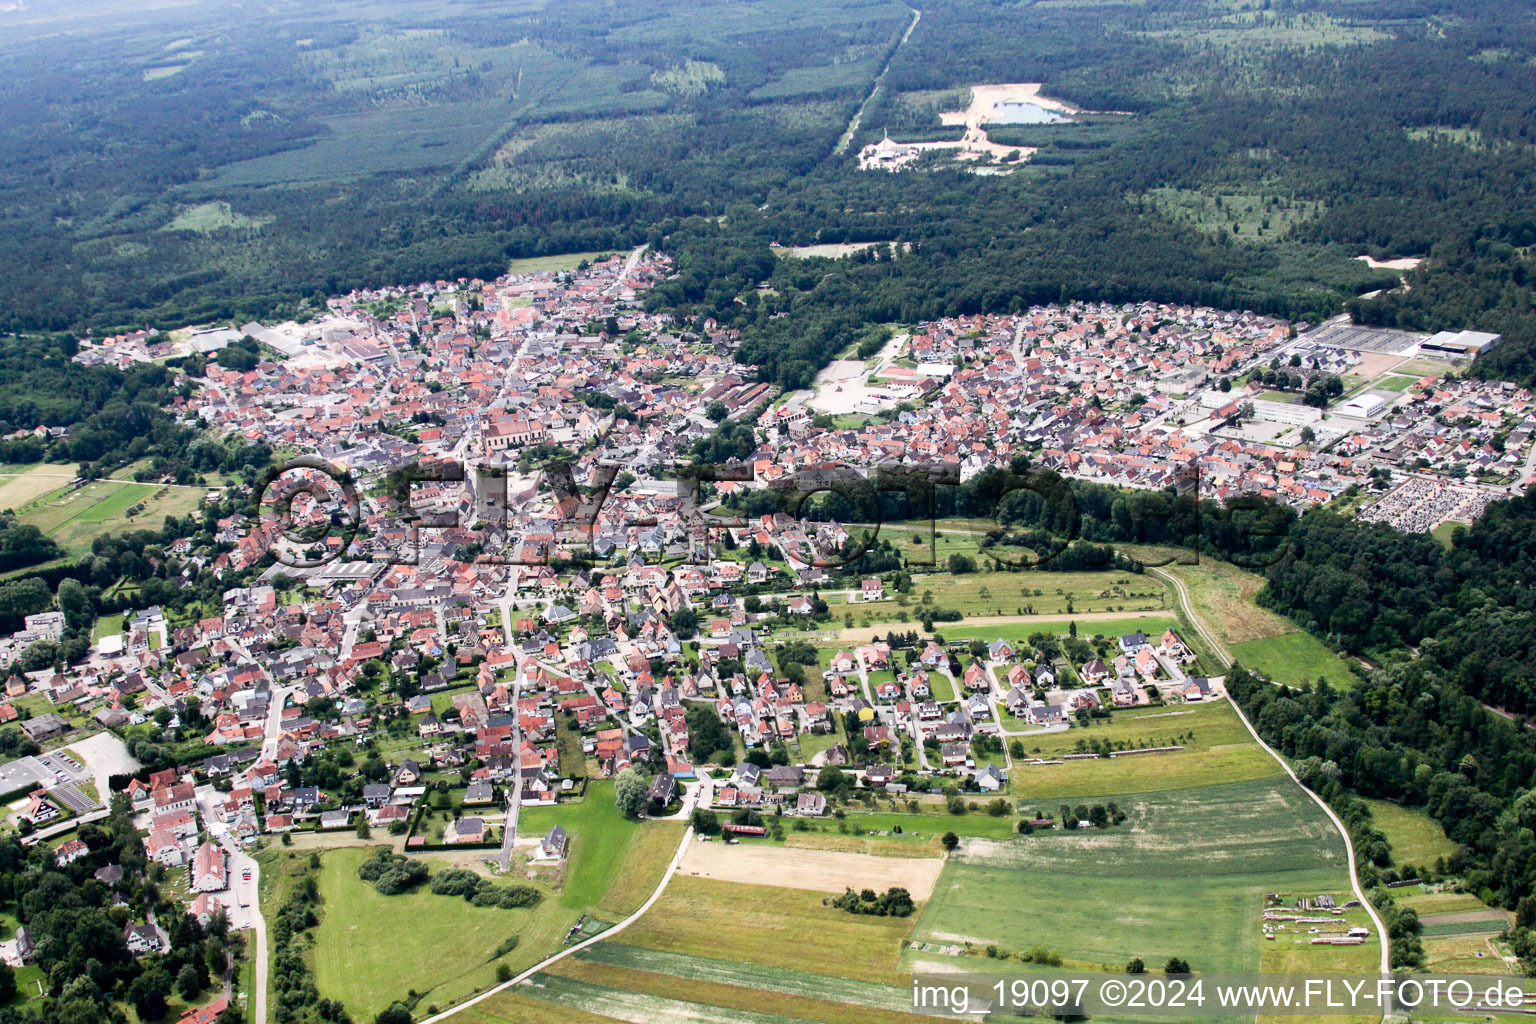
985, 99
1407, 263
817, 870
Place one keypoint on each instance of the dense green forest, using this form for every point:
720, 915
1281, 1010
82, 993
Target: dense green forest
162, 170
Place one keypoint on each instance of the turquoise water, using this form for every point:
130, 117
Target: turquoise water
1025, 113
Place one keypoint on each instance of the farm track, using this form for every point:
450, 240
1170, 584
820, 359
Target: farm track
1349, 846
858, 117
661, 887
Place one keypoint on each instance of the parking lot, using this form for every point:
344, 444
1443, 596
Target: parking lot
55, 771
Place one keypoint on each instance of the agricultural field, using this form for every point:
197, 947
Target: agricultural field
772, 927
1217, 749
21, 485
766, 979
1486, 921
817, 870
1466, 954
640, 996
1415, 837
1184, 876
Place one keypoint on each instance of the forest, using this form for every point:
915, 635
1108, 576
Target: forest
1249, 160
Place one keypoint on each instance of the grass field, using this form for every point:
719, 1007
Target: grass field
444, 947
1151, 623
1222, 595
1005, 593
1445, 531
370, 949
1220, 750
1291, 952
917, 838
206, 218
1416, 838
108, 625
1184, 876
1295, 658
1464, 954
1426, 903
600, 842
550, 264
640, 872
773, 927
76, 518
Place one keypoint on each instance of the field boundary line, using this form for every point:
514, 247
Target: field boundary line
677, 858
1349, 846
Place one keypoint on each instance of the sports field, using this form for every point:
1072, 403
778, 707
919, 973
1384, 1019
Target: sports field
1184, 876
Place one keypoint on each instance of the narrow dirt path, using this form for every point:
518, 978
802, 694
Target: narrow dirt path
858, 117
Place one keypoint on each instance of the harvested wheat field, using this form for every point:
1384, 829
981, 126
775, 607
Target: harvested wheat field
817, 870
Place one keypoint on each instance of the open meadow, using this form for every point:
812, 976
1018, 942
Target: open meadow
371, 949
600, 841
1414, 836
1216, 749
73, 517
20, 485
1297, 659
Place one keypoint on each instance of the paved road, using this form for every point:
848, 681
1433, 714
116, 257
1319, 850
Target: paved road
246, 909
